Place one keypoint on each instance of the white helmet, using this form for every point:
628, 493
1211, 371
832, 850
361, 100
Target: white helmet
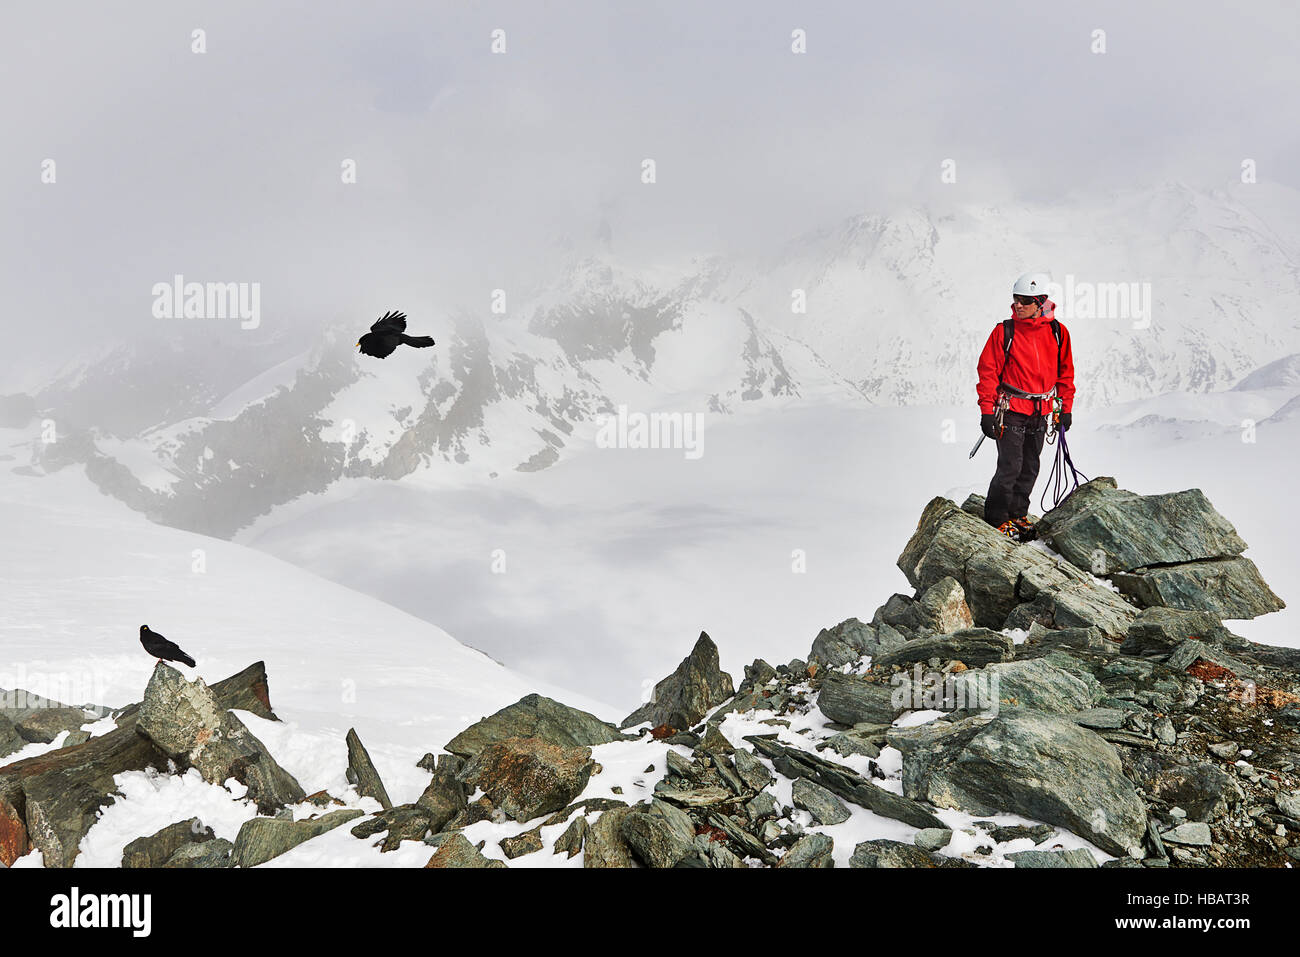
1032, 284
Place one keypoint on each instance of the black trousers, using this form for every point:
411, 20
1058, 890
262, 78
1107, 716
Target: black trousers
1018, 458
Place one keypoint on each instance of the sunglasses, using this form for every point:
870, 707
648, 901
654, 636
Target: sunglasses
1025, 300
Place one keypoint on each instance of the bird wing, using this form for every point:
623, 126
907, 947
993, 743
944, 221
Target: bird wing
390, 320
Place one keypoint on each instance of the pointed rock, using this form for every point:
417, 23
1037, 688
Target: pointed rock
685, 696
361, 771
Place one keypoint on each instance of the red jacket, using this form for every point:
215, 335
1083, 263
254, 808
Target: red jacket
1032, 366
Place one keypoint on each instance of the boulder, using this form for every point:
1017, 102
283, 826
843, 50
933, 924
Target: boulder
944, 606
406, 822
361, 771
1033, 683
971, 646
526, 777
851, 700
824, 806
1157, 631
13, 835
10, 739
686, 695
659, 834
185, 720
535, 716
527, 842
605, 845
1039, 765
849, 641
443, 799
262, 838
1204, 790
44, 725
811, 850
157, 848
1077, 857
1225, 587
885, 853
457, 851
214, 853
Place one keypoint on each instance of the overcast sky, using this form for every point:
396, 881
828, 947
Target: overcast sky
474, 168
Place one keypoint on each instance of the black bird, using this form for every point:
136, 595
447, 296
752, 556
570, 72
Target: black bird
161, 648
388, 332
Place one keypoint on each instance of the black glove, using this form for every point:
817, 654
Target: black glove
986, 426
1066, 419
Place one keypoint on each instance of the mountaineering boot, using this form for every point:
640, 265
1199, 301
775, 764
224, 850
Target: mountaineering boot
1010, 530
1027, 531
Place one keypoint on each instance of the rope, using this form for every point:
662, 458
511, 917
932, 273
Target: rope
1057, 478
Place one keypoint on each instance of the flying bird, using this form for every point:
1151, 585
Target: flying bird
388, 332
161, 648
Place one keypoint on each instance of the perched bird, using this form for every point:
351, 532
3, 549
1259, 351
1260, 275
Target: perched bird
388, 332
161, 648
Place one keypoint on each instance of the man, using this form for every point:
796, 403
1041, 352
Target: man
1021, 385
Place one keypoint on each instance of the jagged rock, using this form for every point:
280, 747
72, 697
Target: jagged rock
471, 813
10, 739
844, 782
571, 840
903, 616
1033, 683
824, 806
157, 848
361, 771
1031, 763
899, 854
1047, 639
1036, 833
714, 741
1193, 833
262, 838
443, 799
1100, 719
849, 641
526, 777
932, 838
46, 724
535, 716
847, 743
998, 574
429, 762
710, 853
762, 805
1077, 857
58, 794
1158, 631
528, 842
1203, 790
605, 846
811, 850
1226, 587
944, 606
851, 700
706, 796
748, 843
971, 646
457, 851
13, 835
685, 696
757, 675
186, 722
1190, 651
752, 771
406, 822
586, 806
75, 738
659, 834
214, 853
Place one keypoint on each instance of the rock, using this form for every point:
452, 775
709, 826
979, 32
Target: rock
705, 796
824, 806
849, 641
1046, 639
1288, 803
361, 771
571, 840
526, 777
262, 838
757, 675
714, 742
10, 739
1157, 631
186, 722
710, 853
1165, 731
850, 700
528, 842
898, 854
406, 822
75, 738
749, 845
971, 646
586, 806
46, 724
1031, 763
845, 783
685, 696
1193, 833
1078, 857
751, 770
1033, 683
605, 846
903, 616
1101, 718
660, 835
58, 794
457, 851
1225, 587
762, 806
535, 716
811, 850
847, 743
944, 606
1036, 833
13, 835
1191, 651
157, 848
214, 853
1203, 790
932, 838
443, 799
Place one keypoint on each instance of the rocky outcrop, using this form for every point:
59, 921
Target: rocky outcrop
527, 777
684, 697
534, 716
